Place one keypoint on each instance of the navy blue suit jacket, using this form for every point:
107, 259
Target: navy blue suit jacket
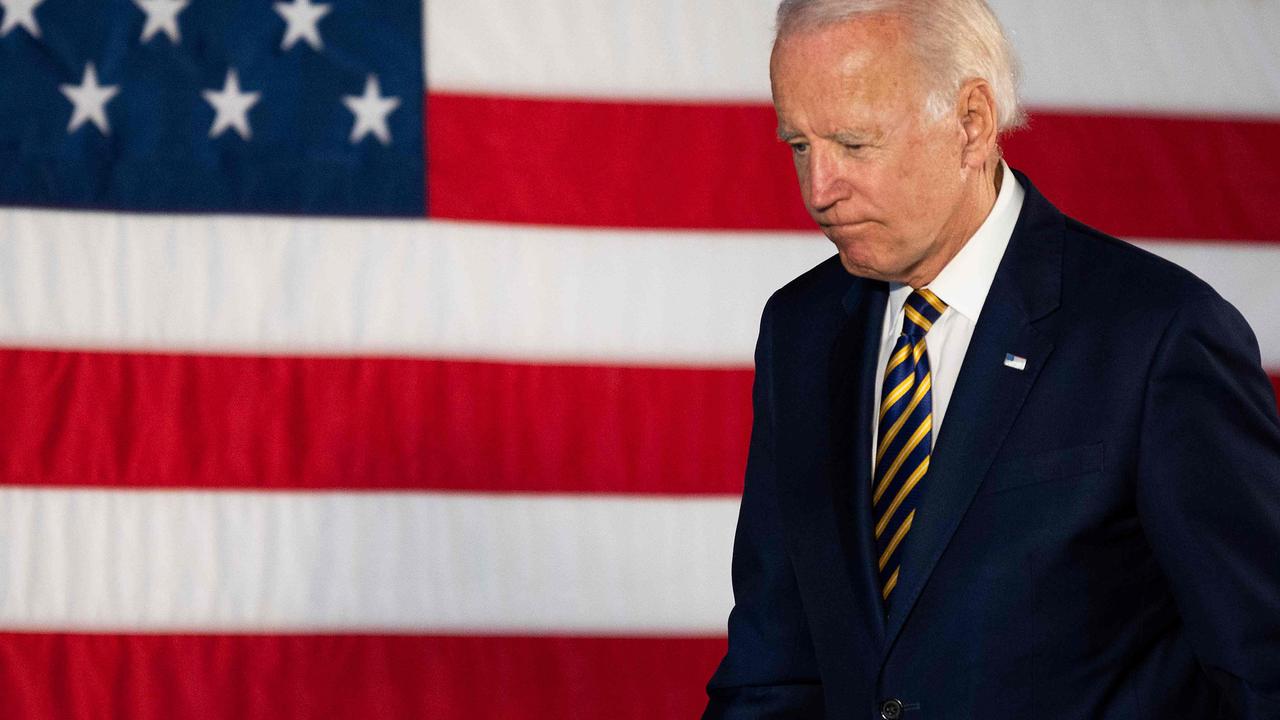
1098, 535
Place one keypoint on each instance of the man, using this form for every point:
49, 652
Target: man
1002, 465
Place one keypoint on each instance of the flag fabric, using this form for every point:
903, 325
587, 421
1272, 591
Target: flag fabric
377, 359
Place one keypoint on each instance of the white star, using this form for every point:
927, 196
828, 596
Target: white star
162, 15
90, 100
232, 107
20, 12
371, 111
302, 17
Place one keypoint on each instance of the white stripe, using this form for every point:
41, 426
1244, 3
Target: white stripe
227, 561
413, 287
656, 48
429, 288
1189, 57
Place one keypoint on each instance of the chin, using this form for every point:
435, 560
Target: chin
867, 251
860, 268
857, 260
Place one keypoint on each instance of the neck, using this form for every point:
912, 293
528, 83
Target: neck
970, 213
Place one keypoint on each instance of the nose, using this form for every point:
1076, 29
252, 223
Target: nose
827, 184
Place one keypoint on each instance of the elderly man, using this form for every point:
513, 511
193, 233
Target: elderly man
1002, 465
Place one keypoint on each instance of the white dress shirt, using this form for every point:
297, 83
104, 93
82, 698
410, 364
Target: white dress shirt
963, 285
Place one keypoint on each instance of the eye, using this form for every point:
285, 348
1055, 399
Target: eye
800, 148
853, 146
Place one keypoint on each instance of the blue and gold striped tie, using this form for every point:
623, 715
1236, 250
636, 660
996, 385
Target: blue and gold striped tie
905, 436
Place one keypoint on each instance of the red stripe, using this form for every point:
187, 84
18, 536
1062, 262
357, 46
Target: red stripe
138, 420
162, 677
1155, 177
705, 166
602, 163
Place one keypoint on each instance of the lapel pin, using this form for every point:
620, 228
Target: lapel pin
1017, 362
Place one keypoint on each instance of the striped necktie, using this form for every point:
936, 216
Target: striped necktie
905, 436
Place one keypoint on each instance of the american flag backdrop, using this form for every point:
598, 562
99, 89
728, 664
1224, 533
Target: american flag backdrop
373, 359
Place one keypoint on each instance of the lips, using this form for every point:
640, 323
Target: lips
843, 227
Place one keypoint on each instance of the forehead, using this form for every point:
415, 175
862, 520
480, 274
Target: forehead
863, 61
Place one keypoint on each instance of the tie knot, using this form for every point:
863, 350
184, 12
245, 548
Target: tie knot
922, 310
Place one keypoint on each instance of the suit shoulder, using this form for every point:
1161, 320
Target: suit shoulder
818, 285
1112, 271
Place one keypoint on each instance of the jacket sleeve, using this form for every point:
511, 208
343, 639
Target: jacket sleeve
1209, 497
770, 670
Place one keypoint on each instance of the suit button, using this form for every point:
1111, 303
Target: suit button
891, 709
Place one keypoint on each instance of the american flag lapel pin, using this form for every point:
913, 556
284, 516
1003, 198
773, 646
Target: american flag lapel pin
1017, 362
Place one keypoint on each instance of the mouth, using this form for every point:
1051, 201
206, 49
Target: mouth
843, 228
848, 224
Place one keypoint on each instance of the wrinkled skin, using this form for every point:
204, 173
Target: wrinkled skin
897, 191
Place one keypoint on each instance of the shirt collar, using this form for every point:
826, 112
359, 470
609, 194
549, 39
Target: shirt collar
965, 281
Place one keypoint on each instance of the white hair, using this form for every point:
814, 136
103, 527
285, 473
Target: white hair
954, 40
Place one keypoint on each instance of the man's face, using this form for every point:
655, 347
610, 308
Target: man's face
884, 181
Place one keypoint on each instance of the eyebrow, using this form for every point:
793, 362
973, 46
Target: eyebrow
853, 137
856, 137
786, 134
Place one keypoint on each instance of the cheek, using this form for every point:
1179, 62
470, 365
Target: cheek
932, 173
802, 174
802, 178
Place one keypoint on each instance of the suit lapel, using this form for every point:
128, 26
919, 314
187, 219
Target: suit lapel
853, 374
822, 384
988, 394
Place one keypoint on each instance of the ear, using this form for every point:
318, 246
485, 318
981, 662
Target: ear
978, 118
